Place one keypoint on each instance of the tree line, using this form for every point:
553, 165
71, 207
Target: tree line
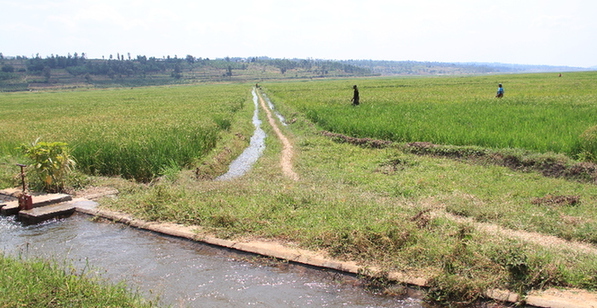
140, 66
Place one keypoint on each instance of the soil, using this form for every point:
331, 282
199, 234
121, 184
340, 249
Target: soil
287, 150
550, 241
93, 193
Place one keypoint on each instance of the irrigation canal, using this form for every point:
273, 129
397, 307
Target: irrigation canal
183, 273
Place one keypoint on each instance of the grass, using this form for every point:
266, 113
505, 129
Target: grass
540, 112
128, 132
350, 203
394, 209
388, 206
36, 283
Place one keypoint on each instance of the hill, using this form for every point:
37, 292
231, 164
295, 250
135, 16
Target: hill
442, 68
74, 71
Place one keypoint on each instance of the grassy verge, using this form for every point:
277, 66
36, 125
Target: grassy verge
35, 283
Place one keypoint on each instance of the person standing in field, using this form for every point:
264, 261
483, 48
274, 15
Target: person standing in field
355, 97
500, 91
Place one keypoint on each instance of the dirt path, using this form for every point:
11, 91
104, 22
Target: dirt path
550, 241
287, 150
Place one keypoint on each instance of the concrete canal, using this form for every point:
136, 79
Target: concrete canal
183, 273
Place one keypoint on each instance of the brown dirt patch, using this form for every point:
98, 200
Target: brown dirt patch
557, 200
366, 142
287, 150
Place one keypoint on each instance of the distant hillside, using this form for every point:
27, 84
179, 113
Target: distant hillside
74, 71
389, 68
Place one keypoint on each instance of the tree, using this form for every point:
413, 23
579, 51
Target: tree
177, 71
47, 73
8, 69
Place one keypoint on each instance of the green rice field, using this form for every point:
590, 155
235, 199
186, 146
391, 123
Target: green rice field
419, 214
137, 132
134, 133
540, 112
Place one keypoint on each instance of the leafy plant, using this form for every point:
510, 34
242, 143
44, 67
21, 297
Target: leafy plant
52, 163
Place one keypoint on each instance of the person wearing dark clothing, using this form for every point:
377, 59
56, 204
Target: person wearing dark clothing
500, 91
355, 97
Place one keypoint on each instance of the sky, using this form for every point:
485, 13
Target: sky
539, 32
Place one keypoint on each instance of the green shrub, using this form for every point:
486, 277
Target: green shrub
52, 164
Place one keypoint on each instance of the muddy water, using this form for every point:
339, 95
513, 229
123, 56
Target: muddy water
243, 163
184, 273
249, 156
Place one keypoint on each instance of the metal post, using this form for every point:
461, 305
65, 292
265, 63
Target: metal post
23, 175
25, 200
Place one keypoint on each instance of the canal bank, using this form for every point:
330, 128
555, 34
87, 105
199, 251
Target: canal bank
553, 298
177, 272
84, 204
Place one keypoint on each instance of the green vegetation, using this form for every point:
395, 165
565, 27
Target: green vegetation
540, 112
35, 283
124, 132
392, 209
76, 71
52, 163
449, 220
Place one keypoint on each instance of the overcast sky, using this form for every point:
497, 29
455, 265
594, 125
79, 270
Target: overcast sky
550, 32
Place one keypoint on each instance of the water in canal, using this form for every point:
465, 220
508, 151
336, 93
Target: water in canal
243, 163
183, 273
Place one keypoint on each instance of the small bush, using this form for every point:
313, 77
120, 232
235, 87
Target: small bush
52, 164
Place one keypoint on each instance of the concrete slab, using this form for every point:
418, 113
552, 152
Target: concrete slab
82, 203
7, 195
12, 208
39, 214
9, 191
562, 298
